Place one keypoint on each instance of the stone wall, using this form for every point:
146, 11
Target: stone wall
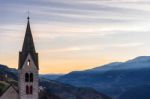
22, 84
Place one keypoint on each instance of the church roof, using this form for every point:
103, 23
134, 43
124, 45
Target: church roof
28, 47
6, 87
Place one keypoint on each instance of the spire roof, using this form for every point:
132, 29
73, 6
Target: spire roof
28, 47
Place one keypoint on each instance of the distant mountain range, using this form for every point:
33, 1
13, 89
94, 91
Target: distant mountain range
51, 76
118, 79
50, 89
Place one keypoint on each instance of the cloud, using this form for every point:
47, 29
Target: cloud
127, 45
74, 12
73, 49
115, 1
87, 27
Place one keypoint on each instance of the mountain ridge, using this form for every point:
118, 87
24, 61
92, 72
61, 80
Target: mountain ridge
112, 79
117, 79
51, 89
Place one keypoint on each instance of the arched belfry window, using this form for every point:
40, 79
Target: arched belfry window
31, 77
28, 63
26, 77
31, 89
27, 89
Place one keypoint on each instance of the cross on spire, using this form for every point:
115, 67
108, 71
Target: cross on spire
28, 15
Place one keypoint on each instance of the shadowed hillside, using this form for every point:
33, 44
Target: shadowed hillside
50, 89
113, 79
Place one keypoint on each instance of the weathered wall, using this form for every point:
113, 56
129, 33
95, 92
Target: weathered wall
22, 84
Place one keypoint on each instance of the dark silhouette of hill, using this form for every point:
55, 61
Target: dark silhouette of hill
50, 89
139, 92
113, 79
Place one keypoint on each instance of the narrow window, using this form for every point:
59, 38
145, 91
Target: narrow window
31, 77
27, 89
31, 89
28, 63
26, 77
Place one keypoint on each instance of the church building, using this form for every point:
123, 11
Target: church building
28, 68
28, 71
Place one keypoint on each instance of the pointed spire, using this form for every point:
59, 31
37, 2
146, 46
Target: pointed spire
28, 47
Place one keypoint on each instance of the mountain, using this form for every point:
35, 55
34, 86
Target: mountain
10, 72
113, 79
51, 76
50, 89
65, 91
138, 62
139, 92
120, 80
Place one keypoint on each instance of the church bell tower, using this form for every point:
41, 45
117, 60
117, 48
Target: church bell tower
28, 68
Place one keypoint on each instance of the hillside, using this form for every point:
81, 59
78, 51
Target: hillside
113, 79
50, 89
138, 92
120, 80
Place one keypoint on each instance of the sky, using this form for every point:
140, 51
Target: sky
72, 35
